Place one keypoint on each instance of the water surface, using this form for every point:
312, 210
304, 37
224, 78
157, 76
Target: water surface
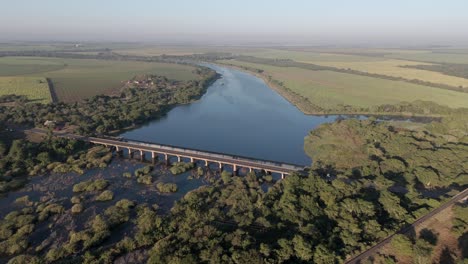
239, 115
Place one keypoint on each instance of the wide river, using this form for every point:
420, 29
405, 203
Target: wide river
240, 115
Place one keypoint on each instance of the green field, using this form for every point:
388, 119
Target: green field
382, 65
76, 79
35, 88
328, 89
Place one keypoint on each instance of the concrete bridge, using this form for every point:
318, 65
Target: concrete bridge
168, 151
222, 160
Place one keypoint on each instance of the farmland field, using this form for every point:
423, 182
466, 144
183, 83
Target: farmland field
76, 79
35, 88
382, 65
328, 89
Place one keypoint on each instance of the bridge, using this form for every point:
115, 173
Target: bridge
168, 151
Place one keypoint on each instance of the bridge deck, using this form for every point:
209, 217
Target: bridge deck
242, 161
202, 155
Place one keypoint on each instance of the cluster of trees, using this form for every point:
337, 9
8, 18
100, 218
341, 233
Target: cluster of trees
60, 155
103, 114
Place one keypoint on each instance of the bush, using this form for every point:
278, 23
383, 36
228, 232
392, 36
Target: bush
88, 186
24, 200
167, 187
77, 208
144, 171
402, 245
145, 179
226, 177
181, 167
75, 200
268, 178
105, 196
125, 203
127, 175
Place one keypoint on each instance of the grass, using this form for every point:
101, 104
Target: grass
34, 88
328, 89
76, 79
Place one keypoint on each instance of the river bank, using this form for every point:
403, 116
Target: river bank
308, 108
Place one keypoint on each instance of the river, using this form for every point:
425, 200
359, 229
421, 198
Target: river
240, 115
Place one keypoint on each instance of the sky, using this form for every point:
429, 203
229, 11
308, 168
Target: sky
411, 22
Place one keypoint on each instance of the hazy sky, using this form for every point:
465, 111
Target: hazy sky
224, 21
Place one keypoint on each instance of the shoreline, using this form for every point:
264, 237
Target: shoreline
300, 103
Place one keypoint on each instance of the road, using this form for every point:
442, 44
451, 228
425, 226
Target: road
371, 251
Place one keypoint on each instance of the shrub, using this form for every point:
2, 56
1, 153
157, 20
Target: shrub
105, 196
268, 178
125, 203
127, 175
75, 200
181, 167
226, 177
145, 179
77, 208
167, 187
88, 186
24, 200
402, 244
143, 171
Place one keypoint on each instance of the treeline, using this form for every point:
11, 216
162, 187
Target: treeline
107, 54
104, 114
452, 69
313, 67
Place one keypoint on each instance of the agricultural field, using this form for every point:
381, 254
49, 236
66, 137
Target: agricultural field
434, 57
34, 88
156, 50
383, 65
329, 89
76, 79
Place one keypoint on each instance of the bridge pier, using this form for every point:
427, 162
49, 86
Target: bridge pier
282, 176
191, 159
234, 170
118, 151
142, 155
166, 159
220, 166
130, 153
206, 163
179, 159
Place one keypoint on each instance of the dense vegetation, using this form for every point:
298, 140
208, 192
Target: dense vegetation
59, 155
103, 114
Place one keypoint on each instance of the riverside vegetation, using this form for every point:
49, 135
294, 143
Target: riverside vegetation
369, 178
